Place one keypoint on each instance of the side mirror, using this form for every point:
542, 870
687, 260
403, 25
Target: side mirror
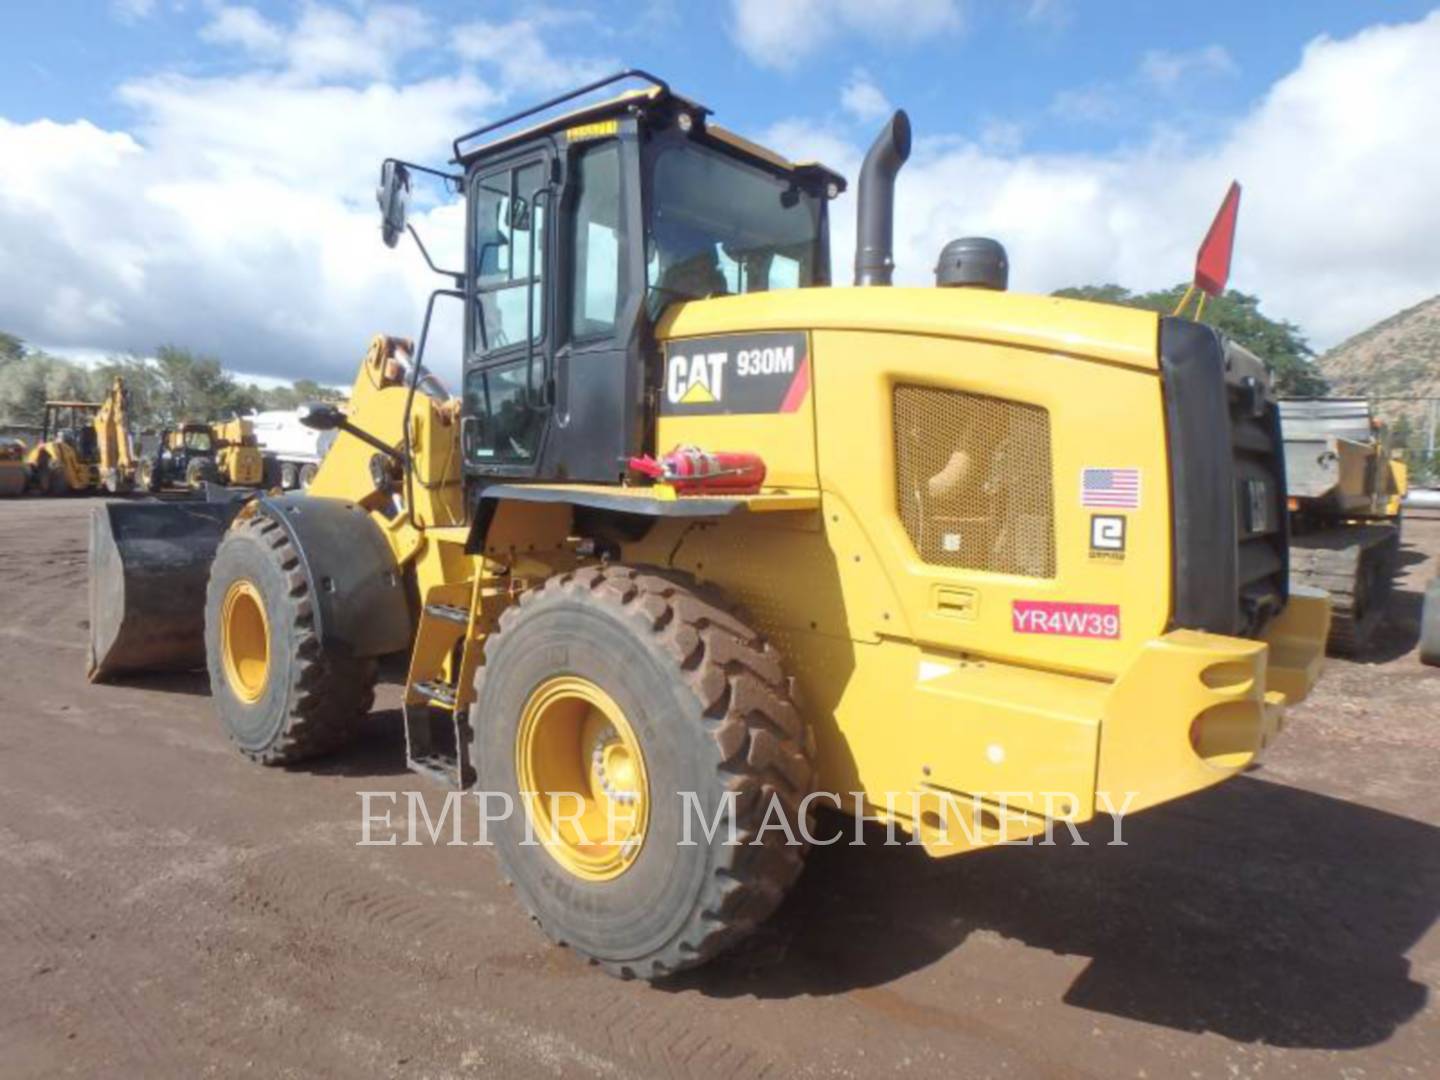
393, 195
320, 416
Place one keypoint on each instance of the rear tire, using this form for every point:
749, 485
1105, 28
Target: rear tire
289, 699
708, 705
1430, 625
57, 482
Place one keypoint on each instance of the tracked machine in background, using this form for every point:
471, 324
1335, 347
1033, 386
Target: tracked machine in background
1346, 486
703, 538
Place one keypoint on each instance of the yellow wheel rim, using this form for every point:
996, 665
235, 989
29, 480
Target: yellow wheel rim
582, 778
245, 641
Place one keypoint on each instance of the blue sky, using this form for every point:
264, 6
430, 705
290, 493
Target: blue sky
1004, 63
199, 171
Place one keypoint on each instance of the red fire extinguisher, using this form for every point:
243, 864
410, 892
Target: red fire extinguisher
691, 470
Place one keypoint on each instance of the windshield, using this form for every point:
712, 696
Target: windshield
720, 226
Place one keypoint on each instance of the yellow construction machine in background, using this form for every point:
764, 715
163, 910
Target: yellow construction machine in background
195, 454
84, 447
13, 471
704, 543
1346, 485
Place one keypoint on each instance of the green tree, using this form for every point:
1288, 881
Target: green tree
1278, 342
11, 349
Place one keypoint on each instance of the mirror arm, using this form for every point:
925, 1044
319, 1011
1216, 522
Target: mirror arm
370, 440
453, 179
457, 278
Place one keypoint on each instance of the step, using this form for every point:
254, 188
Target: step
437, 692
449, 613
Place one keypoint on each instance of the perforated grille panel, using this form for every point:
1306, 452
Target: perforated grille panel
973, 481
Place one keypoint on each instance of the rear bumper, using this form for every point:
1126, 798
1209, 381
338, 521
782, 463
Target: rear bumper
1197, 708
1193, 709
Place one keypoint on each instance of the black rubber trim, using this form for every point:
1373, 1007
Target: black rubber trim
692, 507
1206, 571
361, 605
639, 505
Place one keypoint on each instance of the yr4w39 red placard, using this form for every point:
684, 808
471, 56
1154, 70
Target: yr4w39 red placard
1065, 620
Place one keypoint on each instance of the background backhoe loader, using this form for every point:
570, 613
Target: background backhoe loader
84, 446
704, 539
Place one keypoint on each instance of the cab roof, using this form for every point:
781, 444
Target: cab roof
656, 93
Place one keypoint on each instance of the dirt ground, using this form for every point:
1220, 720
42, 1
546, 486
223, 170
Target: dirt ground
167, 909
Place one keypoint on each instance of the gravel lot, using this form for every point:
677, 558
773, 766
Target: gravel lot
167, 908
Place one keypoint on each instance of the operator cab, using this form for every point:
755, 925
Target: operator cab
581, 230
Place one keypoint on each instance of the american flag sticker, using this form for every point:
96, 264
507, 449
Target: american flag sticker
1110, 489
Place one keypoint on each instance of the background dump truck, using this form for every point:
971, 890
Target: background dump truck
703, 537
1346, 487
292, 450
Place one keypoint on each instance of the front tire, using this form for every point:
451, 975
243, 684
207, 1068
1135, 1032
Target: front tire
57, 480
201, 471
677, 695
280, 696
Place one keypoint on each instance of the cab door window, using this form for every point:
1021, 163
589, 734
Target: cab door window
510, 209
510, 212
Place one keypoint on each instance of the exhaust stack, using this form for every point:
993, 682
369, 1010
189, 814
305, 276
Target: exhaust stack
875, 225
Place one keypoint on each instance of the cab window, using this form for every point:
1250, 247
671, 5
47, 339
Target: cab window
595, 242
509, 257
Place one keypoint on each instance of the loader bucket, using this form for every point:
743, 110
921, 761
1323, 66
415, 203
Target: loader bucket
149, 565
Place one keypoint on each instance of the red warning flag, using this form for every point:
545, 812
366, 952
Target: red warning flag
1212, 262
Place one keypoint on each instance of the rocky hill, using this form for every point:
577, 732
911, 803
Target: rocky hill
1397, 357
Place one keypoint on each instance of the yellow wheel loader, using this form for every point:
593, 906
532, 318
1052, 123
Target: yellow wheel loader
705, 543
84, 446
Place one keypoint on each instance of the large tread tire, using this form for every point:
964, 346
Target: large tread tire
201, 471
147, 475
1430, 625
313, 697
57, 482
710, 704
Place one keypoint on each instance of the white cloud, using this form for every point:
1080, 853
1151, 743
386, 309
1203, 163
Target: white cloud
1159, 73
247, 28
518, 50
862, 99
325, 43
132, 10
1089, 104
1165, 70
236, 214
1051, 14
781, 33
1338, 223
